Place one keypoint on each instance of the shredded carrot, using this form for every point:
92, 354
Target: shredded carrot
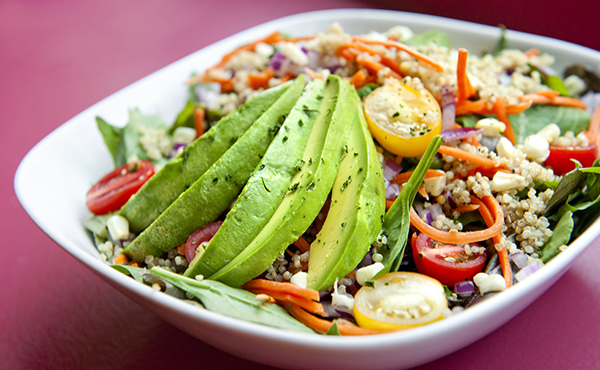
226, 84
302, 245
456, 237
423, 193
134, 264
466, 156
594, 128
398, 159
486, 107
284, 288
500, 111
307, 304
466, 208
552, 98
266, 298
321, 325
485, 205
310, 73
465, 89
261, 79
181, 249
358, 79
532, 52
199, 121
403, 177
286, 77
385, 60
474, 141
301, 38
374, 67
121, 259
411, 51
388, 203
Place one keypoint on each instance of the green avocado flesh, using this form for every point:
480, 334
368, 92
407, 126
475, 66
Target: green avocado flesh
176, 176
218, 187
265, 188
355, 212
309, 189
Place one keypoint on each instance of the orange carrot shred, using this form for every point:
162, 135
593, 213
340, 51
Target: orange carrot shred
285, 288
594, 128
121, 259
307, 304
485, 205
500, 111
403, 177
411, 51
388, 203
266, 298
261, 79
423, 193
532, 52
466, 208
199, 122
466, 156
465, 89
385, 60
551, 97
134, 264
302, 245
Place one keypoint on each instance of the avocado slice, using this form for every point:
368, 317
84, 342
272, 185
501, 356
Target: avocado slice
180, 173
309, 189
355, 212
218, 187
265, 188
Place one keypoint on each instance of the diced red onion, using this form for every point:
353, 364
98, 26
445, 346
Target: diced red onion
314, 59
176, 146
390, 169
592, 100
520, 259
435, 211
504, 79
424, 213
276, 60
392, 191
450, 199
464, 288
448, 108
208, 93
526, 271
335, 313
460, 133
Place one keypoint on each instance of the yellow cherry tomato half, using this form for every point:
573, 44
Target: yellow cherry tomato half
400, 300
402, 119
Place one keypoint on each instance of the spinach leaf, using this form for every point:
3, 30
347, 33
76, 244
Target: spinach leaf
333, 330
134, 272
186, 117
537, 117
437, 37
502, 43
560, 236
553, 81
469, 120
569, 185
366, 90
124, 143
237, 303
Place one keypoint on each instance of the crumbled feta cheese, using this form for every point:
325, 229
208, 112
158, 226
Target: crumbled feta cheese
367, 272
184, 135
491, 127
300, 279
294, 53
505, 148
550, 132
489, 283
341, 299
503, 181
536, 147
575, 85
118, 227
435, 185
265, 50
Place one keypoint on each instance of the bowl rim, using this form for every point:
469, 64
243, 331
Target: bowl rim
477, 312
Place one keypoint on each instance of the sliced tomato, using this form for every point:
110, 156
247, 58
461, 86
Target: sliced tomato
203, 234
115, 189
560, 157
447, 263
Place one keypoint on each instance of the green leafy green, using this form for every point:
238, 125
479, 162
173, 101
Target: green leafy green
366, 90
437, 37
569, 185
134, 272
334, 330
238, 303
186, 117
532, 120
502, 43
551, 80
469, 120
560, 236
124, 143
396, 222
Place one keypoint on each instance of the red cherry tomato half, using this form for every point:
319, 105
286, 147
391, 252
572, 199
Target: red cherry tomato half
447, 263
560, 157
115, 189
199, 236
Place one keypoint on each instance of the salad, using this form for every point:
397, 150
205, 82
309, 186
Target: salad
353, 185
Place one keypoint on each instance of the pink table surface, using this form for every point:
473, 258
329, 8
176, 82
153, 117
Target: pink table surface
59, 57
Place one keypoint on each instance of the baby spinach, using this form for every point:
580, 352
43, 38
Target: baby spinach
237, 303
134, 272
502, 42
437, 37
532, 120
124, 142
333, 329
396, 222
560, 236
186, 117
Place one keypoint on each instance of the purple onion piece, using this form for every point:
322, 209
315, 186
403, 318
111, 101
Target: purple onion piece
313, 59
448, 108
366, 261
504, 79
592, 100
392, 191
276, 60
176, 146
390, 169
450, 199
526, 271
464, 288
208, 93
520, 259
435, 211
460, 133
344, 314
324, 296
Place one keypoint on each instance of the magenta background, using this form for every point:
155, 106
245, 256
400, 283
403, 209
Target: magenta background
59, 57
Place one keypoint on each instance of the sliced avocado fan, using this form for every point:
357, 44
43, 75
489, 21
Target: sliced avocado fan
309, 189
355, 212
218, 187
265, 189
182, 171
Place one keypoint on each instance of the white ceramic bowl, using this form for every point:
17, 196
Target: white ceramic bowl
72, 157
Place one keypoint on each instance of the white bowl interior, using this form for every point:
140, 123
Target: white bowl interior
74, 156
